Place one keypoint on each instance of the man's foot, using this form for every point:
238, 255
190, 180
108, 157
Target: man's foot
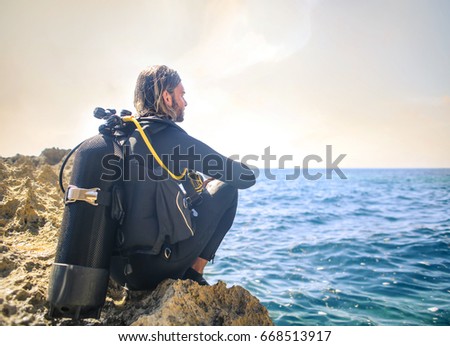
195, 276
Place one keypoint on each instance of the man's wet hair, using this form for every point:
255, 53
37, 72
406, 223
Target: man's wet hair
150, 85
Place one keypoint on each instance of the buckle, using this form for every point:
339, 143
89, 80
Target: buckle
167, 253
191, 202
75, 193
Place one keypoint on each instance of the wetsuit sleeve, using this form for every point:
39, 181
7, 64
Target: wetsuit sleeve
200, 157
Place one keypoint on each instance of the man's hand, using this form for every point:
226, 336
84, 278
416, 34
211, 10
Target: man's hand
206, 181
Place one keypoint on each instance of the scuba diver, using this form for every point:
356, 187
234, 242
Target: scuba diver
143, 256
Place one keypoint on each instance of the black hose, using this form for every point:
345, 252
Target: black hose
61, 171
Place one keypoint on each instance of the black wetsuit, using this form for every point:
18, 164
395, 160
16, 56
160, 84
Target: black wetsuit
140, 260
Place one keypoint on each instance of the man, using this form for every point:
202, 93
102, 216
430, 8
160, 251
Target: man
159, 92
144, 256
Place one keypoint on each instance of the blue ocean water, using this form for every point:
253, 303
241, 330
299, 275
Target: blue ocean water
373, 249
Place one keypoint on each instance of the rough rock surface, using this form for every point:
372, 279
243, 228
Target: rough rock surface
30, 217
185, 303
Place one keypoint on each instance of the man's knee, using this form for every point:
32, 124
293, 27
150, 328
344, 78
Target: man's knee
218, 198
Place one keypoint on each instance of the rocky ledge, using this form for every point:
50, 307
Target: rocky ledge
30, 217
185, 303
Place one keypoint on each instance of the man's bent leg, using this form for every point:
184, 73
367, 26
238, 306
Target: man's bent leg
218, 214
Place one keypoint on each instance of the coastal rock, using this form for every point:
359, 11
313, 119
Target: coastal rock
31, 207
186, 303
53, 156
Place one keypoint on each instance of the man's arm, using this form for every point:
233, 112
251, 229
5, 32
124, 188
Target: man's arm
200, 157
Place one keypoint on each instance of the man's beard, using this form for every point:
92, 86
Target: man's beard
179, 112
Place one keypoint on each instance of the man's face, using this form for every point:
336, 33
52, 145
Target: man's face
178, 102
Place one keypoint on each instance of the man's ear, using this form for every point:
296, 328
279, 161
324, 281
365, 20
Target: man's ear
167, 98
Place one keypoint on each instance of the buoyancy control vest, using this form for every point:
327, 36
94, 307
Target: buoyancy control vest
95, 208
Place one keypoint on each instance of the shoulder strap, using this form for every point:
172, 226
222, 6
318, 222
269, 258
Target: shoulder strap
152, 150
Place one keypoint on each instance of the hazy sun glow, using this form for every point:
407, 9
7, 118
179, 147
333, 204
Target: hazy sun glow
371, 78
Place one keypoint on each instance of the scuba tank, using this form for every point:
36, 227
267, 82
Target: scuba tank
93, 211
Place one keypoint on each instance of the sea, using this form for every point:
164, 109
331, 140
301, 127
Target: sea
371, 249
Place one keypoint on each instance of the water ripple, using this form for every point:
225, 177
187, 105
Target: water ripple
371, 250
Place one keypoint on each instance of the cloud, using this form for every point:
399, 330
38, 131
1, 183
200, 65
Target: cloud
240, 34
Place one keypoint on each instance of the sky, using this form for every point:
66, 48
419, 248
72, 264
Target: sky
370, 78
